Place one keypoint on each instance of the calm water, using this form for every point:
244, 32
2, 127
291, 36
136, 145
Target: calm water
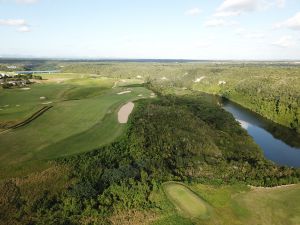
280, 144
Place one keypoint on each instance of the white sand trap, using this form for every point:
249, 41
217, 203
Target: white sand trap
124, 92
125, 111
115, 85
164, 78
139, 77
199, 79
46, 103
152, 95
25, 89
140, 95
42, 98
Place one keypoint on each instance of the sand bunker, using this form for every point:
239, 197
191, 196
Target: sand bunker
25, 89
152, 95
124, 92
115, 84
221, 82
199, 79
46, 103
125, 111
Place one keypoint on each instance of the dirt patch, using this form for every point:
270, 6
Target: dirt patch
124, 112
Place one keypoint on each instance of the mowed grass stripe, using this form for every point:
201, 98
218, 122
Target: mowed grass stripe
186, 201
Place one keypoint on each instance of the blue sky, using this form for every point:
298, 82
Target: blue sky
189, 29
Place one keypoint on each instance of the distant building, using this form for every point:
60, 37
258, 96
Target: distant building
3, 75
11, 67
36, 72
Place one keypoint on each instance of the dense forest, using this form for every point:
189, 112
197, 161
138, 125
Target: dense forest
270, 91
170, 138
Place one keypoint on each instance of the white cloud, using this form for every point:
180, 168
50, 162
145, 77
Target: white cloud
193, 12
24, 29
285, 42
13, 22
237, 7
21, 24
292, 23
21, 1
219, 23
27, 1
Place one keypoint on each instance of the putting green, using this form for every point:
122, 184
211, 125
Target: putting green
186, 201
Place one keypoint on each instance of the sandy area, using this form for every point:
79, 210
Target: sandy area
152, 95
115, 84
125, 111
124, 92
199, 79
221, 82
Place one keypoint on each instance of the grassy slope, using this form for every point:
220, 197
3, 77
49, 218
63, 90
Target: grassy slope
70, 127
235, 204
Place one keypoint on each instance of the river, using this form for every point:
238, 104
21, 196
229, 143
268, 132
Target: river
279, 144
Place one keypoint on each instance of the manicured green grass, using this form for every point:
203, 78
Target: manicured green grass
240, 204
186, 201
83, 118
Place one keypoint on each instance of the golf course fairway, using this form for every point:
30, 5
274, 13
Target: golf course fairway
186, 201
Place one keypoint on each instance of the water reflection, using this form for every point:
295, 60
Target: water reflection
280, 144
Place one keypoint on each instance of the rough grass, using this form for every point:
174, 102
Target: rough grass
83, 117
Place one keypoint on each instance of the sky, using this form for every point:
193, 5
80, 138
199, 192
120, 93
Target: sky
158, 29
